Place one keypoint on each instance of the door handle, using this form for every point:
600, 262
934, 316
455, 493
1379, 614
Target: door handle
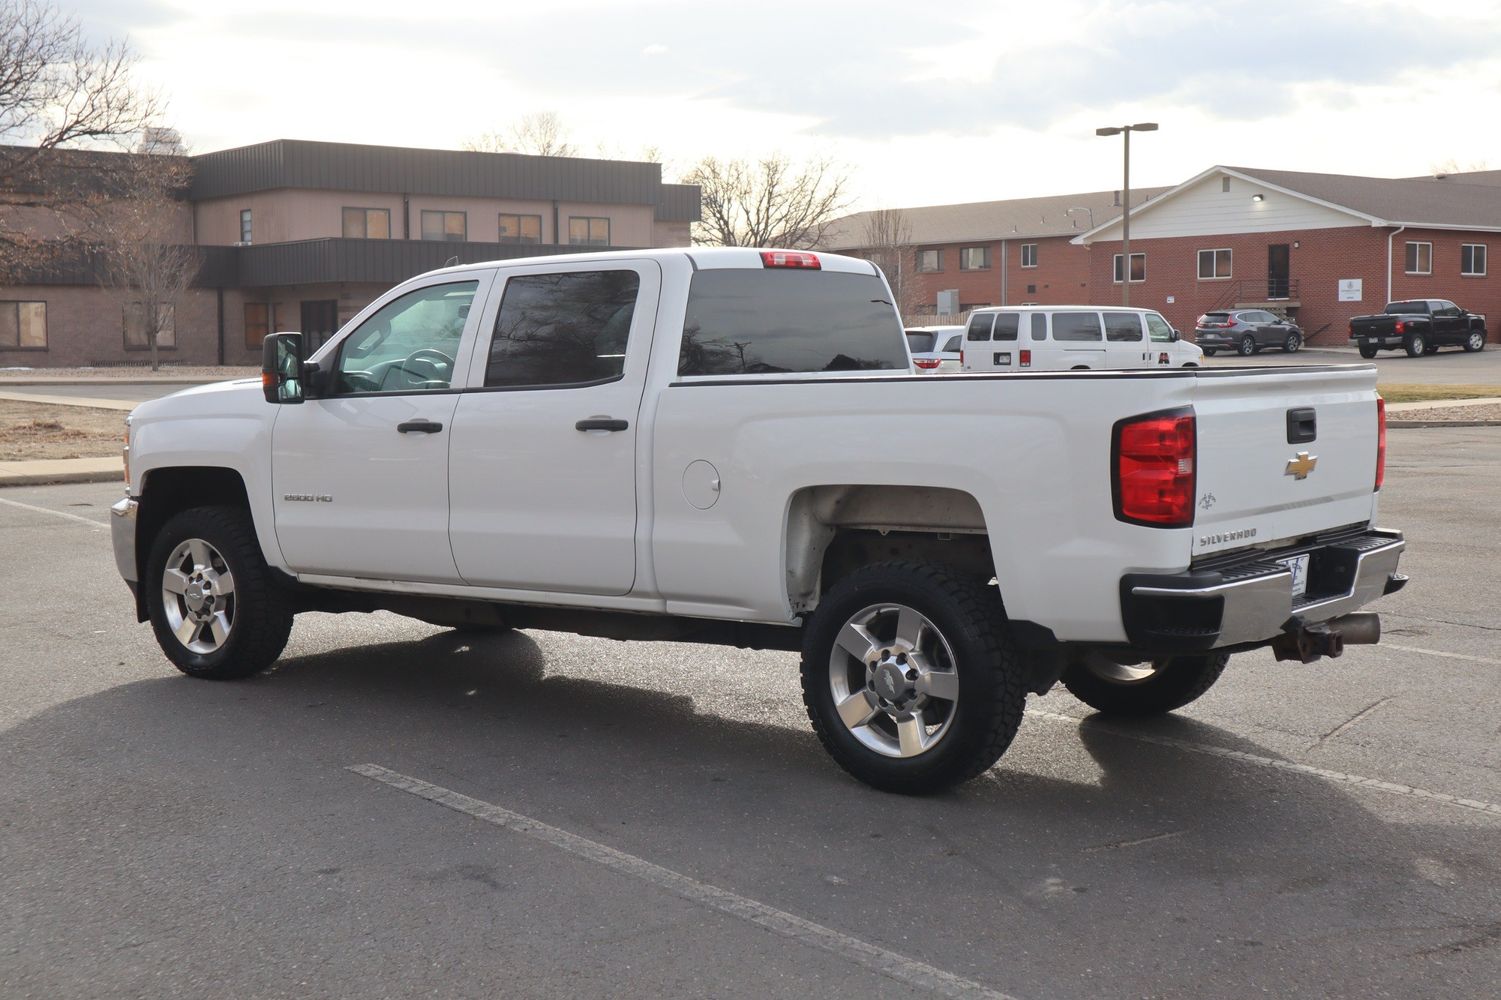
419, 427
601, 424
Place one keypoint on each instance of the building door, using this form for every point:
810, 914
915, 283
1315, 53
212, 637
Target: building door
1278, 271
320, 318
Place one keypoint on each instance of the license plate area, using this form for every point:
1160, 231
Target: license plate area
1298, 567
1002, 358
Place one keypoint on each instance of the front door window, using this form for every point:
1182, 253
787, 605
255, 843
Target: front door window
409, 345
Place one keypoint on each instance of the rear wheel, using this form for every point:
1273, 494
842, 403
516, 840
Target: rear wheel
1292, 343
1415, 344
1247, 346
1145, 689
1475, 341
911, 678
214, 607
1367, 351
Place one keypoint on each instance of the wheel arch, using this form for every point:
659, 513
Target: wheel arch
167, 491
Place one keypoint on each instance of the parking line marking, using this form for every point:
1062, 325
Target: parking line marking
886, 963
1440, 652
56, 513
1291, 767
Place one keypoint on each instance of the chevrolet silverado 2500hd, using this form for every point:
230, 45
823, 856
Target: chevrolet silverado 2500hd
729, 446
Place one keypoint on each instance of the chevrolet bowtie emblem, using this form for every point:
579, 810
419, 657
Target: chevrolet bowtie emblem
1301, 466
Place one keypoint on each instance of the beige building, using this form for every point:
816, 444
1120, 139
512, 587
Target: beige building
295, 235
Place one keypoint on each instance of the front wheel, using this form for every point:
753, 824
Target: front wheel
1211, 351
1292, 343
911, 678
1415, 345
214, 607
1247, 346
1367, 351
1146, 689
1475, 341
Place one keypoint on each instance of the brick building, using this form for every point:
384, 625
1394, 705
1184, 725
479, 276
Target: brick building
1318, 247
295, 235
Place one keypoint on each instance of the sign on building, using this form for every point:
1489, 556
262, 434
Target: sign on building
1350, 289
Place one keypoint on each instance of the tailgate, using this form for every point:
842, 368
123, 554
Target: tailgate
1262, 480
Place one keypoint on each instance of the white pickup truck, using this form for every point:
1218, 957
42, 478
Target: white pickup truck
728, 446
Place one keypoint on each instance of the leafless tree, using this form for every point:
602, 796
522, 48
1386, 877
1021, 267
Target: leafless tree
768, 203
541, 134
57, 90
888, 244
141, 246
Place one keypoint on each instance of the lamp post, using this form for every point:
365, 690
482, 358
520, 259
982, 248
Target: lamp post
1126, 130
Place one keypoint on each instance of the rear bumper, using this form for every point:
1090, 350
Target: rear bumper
1250, 603
1377, 339
1207, 338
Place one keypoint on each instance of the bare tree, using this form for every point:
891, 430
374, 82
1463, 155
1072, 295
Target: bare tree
57, 90
540, 133
769, 203
140, 246
888, 244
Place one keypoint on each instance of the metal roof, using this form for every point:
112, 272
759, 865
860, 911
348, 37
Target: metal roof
986, 221
297, 163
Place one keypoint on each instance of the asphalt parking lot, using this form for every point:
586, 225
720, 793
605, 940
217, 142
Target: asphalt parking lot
539, 815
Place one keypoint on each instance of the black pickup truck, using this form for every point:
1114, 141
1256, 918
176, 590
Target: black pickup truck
1418, 326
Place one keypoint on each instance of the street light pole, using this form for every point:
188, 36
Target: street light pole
1125, 131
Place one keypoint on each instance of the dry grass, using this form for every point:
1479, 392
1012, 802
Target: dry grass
1399, 393
30, 431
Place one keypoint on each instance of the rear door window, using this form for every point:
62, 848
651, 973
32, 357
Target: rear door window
979, 326
1006, 325
745, 321
1123, 328
1077, 327
562, 329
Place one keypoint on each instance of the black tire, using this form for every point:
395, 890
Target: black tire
1415, 344
1247, 346
1210, 352
964, 637
1430, 349
1475, 341
1292, 343
1368, 352
1168, 684
258, 615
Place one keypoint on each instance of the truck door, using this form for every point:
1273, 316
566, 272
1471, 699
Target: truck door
360, 475
543, 478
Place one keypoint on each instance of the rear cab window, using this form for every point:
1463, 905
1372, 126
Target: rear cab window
747, 321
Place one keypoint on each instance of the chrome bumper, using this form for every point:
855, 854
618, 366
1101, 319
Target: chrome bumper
122, 529
1252, 603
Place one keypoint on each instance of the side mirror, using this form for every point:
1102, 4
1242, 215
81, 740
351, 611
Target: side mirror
1176, 335
281, 368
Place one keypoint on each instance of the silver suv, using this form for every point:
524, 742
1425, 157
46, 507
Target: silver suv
1246, 331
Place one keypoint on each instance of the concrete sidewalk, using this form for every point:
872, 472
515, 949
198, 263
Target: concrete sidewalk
103, 470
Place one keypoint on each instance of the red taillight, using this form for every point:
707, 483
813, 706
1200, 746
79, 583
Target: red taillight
1401, 326
1024, 358
926, 364
961, 358
1152, 463
1380, 441
790, 258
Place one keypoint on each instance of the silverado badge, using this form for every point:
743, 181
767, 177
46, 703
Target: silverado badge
1300, 466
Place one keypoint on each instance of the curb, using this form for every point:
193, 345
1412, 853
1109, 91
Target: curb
59, 478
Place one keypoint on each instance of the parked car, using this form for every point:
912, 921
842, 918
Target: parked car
1064, 338
1418, 326
1246, 331
935, 349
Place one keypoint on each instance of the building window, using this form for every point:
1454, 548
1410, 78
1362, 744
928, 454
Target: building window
1213, 264
1420, 258
23, 326
1138, 267
450, 226
257, 324
930, 260
588, 230
1029, 255
525, 229
244, 225
1472, 259
137, 337
367, 223
974, 259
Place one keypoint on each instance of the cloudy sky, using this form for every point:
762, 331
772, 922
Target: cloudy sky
923, 103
